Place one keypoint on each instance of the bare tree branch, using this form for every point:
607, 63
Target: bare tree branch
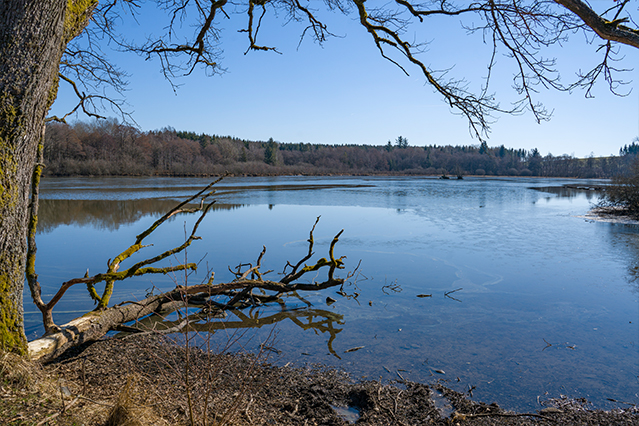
239, 292
252, 33
113, 274
520, 30
607, 30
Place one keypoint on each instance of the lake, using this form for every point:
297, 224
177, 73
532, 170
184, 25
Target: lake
528, 299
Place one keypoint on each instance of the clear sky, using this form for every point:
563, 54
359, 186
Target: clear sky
344, 92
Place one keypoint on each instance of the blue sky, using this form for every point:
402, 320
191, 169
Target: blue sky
344, 92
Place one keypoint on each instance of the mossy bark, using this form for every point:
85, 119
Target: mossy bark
33, 34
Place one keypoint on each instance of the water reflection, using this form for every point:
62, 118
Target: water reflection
107, 215
177, 188
572, 191
306, 318
624, 241
529, 271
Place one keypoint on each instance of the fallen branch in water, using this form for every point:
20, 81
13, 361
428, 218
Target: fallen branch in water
97, 323
112, 273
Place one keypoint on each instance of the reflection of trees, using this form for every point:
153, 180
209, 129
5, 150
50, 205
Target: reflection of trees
625, 238
318, 320
104, 214
568, 192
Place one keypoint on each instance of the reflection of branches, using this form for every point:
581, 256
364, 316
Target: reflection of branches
323, 325
624, 241
239, 291
113, 274
394, 286
319, 320
448, 294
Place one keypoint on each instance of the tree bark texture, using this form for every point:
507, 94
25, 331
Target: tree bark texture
31, 45
612, 31
92, 326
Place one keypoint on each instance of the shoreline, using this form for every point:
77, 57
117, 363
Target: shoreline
451, 177
398, 400
145, 381
609, 215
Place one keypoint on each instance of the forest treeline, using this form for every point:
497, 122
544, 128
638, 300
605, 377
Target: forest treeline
106, 147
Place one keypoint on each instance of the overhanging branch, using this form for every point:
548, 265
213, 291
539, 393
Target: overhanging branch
607, 30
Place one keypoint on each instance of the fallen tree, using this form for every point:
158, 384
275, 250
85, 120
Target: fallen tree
239, 293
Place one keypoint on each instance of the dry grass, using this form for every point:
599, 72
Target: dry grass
19, 373
29, 396
27, 393
153, 394
130, 409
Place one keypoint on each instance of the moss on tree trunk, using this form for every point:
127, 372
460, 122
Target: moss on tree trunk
33, 35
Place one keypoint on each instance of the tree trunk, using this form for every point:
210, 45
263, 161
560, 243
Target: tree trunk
95, 324
31, 45
92, 326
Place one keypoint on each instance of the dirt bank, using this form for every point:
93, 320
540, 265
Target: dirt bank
143, 381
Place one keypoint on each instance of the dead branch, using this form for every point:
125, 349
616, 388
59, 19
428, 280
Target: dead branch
113, 274
96, 324
239, 292
459, 416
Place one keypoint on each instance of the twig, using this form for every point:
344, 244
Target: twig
621, 402
396, 398
95, 402
246, 410
53, 416
269, 348
448, 294
169, 330
461, 416
64, 407
84, 375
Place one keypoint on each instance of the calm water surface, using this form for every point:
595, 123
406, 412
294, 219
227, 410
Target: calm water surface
547, 306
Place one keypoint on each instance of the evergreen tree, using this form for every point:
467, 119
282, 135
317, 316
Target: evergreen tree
401, 142
270, 153
631, 149
535, 162
483, 149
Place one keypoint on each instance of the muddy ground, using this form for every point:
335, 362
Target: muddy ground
145, 380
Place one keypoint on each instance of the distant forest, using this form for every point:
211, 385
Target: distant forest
104, 148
